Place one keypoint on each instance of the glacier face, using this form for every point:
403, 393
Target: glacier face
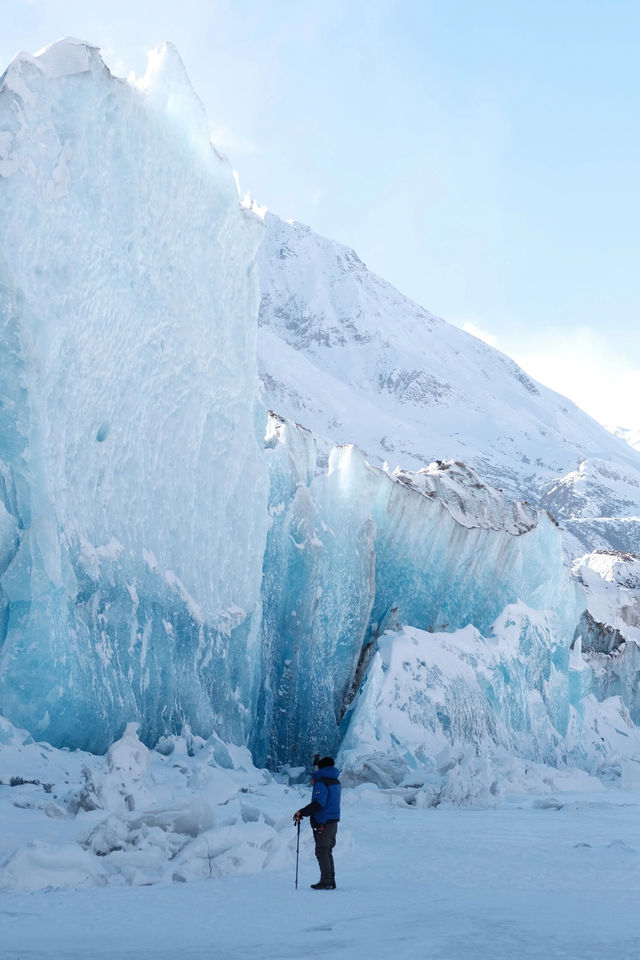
132, 488
354, 551
317, 594
163, 561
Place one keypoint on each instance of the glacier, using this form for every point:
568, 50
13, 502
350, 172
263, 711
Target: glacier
354, 550
375, 565
131, 479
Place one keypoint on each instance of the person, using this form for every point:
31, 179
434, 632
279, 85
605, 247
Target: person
324, 813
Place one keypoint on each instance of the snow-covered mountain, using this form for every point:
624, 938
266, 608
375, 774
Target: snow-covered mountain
347, 355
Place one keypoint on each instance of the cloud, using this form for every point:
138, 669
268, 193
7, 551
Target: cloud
231, 143
585, 367
579, 363
469, 327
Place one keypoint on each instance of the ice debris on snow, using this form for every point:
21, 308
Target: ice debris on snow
609, 630
464, 717
193, 817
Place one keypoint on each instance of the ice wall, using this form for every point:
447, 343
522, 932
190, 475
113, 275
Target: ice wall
452, 551
318, 589
132, 489
353, 550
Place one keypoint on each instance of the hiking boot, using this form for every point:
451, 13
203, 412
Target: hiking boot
321, 885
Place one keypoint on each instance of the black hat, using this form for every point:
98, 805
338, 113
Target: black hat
326, 762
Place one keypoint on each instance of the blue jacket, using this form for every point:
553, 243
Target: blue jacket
325, 799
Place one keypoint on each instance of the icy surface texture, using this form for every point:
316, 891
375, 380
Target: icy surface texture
318, 589
609, 630
343, 352
435, 703
352, 549
442, 574
132, 490
191, 810
471, 503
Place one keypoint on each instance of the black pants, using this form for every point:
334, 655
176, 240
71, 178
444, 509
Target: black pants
325, 836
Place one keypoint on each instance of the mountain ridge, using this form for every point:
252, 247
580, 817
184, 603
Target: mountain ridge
343, 352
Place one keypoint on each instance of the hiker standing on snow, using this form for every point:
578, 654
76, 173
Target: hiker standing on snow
324, 811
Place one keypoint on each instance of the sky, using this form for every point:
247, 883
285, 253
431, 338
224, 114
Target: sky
483, 157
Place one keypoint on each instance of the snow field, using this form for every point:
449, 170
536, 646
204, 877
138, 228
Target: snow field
534, 881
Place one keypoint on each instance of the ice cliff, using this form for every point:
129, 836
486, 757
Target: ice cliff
132, 487
172, 555
354, 550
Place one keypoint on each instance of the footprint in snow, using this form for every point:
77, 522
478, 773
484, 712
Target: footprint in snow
620, 845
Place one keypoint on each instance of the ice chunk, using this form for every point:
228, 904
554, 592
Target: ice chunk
39, 865
609, 629
68, 57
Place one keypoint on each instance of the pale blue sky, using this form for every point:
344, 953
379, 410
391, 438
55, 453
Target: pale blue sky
482, 156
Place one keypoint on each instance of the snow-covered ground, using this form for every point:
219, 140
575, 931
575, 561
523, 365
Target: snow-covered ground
190, 853
531, 879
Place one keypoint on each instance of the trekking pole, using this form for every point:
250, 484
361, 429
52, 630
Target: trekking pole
297, 853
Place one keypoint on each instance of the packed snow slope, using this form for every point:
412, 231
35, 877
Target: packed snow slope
132, 487
350, 357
